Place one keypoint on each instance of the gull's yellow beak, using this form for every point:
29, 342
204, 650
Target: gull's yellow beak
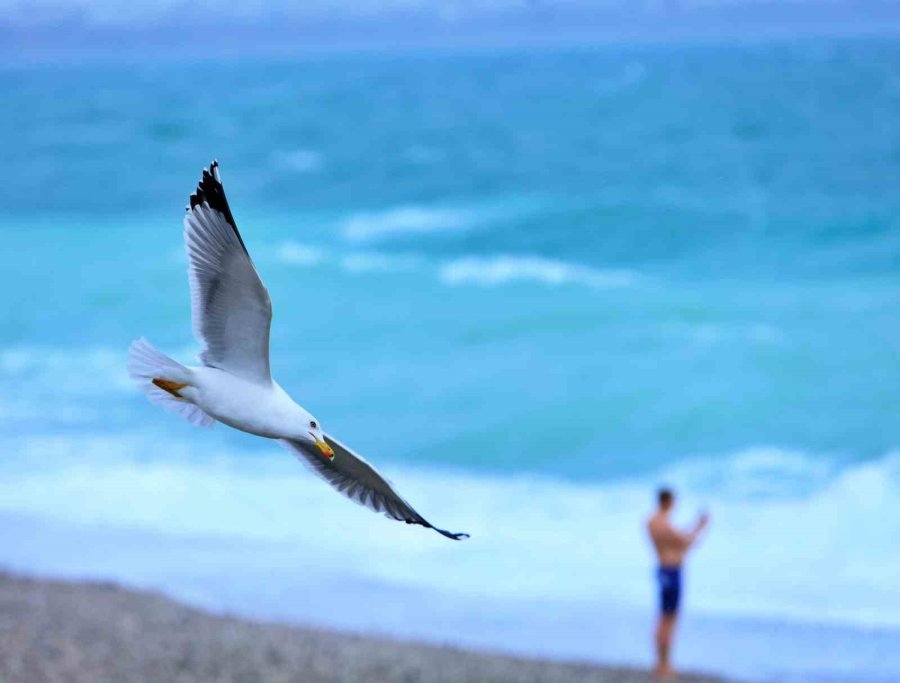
327, 450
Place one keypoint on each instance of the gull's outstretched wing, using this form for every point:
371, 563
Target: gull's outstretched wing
359, 481
230, 307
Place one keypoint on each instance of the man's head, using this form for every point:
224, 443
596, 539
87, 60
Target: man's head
666, 498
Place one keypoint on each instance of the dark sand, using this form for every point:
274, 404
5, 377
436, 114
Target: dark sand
66, 632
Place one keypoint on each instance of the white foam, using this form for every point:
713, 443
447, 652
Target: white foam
494, 270
405, 220
824, 554
67, 386
300, 254
767, 472
481, 271
74, 371
354, 262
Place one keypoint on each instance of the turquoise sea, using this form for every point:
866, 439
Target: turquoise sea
530, 286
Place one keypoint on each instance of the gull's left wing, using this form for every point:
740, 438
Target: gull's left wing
352, 476
230, 307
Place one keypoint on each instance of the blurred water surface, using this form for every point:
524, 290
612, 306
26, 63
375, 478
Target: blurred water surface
538, 282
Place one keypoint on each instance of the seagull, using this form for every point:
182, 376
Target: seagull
231, 314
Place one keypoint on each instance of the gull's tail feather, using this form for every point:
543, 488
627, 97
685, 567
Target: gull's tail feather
153, 370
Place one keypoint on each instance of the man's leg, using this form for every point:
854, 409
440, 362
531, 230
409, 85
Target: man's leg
670, 596
665, 629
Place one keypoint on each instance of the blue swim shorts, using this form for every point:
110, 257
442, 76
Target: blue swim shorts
669, 579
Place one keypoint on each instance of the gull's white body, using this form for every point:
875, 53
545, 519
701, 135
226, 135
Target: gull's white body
260, 409
231, 314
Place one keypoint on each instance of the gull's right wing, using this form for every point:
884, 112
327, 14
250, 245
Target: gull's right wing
352, 476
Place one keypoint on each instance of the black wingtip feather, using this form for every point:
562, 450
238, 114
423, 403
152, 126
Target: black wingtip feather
455, 537
442, 532
211, 191
450, 534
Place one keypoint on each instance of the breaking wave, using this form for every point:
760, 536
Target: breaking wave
469, 270
589, 533
496, 270
405, 220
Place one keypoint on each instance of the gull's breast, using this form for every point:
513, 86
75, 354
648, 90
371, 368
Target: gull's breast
261, 409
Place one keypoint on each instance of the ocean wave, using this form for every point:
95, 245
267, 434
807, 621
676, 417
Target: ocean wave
414, 219
47, 386
469, 270
405, 220
495, 270
763, 473
297, 254
74, 371
763, 557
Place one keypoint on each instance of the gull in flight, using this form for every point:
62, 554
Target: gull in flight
231, 314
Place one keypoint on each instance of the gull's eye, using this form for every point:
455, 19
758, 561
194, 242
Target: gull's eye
313, 424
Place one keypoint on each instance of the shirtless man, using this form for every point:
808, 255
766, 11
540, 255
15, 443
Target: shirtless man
671, 546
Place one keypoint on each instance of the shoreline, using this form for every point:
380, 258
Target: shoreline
89, 631
276, 583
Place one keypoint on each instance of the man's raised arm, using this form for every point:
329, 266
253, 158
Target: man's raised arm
691, 537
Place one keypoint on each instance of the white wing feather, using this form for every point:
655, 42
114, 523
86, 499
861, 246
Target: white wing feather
230, 307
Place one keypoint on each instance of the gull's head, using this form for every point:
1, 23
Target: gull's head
315, 434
